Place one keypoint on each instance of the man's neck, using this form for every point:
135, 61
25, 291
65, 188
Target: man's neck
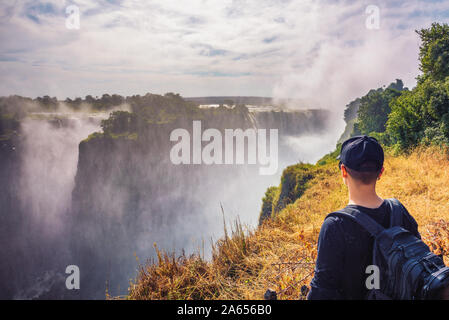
365, 196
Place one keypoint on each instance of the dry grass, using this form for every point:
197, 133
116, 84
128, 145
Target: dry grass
280, 254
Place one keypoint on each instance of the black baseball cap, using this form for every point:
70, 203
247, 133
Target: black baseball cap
359, 149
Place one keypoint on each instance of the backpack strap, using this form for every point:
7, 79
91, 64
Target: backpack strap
361, 218
396, 212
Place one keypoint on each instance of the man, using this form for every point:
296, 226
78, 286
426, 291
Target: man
345, 248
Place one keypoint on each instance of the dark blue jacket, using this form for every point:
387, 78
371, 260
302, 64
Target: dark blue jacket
344, 252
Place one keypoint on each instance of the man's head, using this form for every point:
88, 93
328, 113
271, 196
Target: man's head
361, 160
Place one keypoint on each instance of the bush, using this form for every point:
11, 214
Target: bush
267, 203
375, 108
120, 122
434, 51
420, 116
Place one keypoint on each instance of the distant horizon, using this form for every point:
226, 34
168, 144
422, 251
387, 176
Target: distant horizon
275, 99
184, 97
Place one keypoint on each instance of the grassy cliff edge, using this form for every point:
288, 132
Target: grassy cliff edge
280, 253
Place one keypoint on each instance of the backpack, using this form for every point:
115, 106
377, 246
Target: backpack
408, 269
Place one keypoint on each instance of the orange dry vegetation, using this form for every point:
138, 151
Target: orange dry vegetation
280, 254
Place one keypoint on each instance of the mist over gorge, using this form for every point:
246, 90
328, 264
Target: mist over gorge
90, 183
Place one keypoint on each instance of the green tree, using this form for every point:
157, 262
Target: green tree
89, 99
405, 123
375, 107
420, 115
434, 51
119, 122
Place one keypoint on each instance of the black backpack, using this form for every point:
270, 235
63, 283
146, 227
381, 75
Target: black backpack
408, 269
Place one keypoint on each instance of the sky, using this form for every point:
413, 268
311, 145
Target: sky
325, 53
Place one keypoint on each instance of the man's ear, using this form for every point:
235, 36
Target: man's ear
381, 171
344, 172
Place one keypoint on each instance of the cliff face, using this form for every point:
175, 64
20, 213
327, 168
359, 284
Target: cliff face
128, 194
9, 170
28, 254
294, 123
35, 175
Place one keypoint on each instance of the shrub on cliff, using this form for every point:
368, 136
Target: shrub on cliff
294, 182
372, 114
434, 51
119, 122
420, 115
267, 203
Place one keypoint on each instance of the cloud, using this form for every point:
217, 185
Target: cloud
318, 51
